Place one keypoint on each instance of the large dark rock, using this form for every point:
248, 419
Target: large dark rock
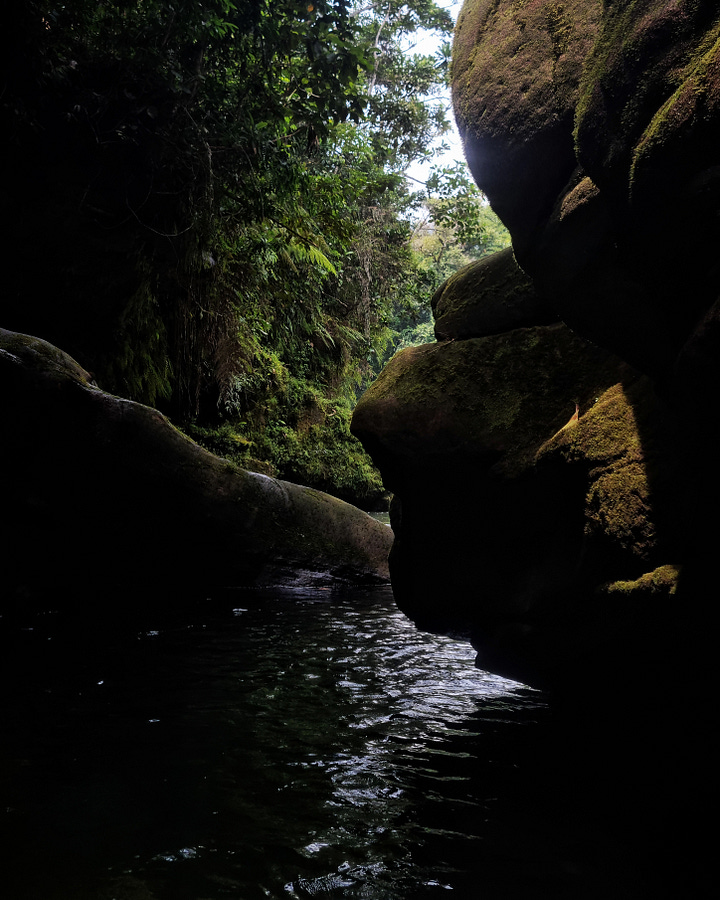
514, 518
593, 128
580, 554
101, 493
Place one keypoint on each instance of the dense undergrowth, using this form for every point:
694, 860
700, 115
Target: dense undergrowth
313, 446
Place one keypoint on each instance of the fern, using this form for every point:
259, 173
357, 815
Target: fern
306, 252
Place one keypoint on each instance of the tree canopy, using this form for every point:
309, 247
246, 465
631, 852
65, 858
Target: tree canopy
210, 210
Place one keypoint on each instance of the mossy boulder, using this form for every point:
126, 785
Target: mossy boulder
487, 403
593, 128
515, 75
508, 506
486, 297
511, 514
102, 493
531, 470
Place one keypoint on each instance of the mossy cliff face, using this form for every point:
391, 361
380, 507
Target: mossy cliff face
579, 553
101, 493
593, 129
513, 513
516, 72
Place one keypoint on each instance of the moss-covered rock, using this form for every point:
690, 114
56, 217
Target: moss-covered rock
649, 81
578, 552
593, 129
483, 402
516, 74
624, 450
661, 582
102, 492
487, 297
508, 506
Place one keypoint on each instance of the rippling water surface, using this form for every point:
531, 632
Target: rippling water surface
286, 745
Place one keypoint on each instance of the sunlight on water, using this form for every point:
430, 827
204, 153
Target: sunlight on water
298, 745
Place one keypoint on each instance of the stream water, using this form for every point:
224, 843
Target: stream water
281, 745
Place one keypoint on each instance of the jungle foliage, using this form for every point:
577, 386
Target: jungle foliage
210, 210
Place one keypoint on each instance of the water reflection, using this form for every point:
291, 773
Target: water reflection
290, 746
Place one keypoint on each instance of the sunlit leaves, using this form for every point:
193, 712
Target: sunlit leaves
404, 113
458, 204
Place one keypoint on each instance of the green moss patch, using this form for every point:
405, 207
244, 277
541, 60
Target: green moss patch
694, 102
486, 401
516, 66
661, 582
649, 59
626, 458
488, 297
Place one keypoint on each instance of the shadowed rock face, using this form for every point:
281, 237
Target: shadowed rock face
102, 493
516, 520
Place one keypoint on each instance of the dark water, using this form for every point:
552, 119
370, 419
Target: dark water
284, 746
